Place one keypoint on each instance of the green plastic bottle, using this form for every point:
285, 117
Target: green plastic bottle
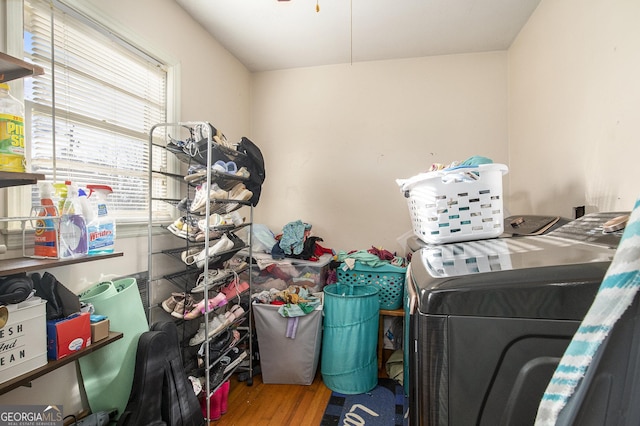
11, 132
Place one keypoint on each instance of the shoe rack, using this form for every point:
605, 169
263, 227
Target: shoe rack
194, 261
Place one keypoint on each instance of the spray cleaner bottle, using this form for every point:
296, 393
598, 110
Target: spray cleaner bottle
73, 227
101, 227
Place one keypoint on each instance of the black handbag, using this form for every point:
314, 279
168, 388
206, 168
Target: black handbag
254, 162
15, 288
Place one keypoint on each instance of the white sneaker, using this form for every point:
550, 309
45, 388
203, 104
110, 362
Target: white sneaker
216, 325
188, 256
214, 276
236, 355
200, 198
240, 193
204, 194
198, 338
236, 218
223, 244
214, 220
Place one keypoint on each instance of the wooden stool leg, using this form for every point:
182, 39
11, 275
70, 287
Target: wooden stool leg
380, 340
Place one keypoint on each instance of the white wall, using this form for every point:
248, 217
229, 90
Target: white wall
336, 138
214, 87
574, 108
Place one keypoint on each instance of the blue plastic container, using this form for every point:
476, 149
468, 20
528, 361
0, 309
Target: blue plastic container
349, 361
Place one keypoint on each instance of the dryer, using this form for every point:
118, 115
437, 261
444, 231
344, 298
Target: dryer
489, 320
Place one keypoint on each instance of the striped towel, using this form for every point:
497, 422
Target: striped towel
615, 295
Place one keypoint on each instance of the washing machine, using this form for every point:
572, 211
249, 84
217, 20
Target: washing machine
489, 320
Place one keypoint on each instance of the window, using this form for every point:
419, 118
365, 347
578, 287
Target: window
88, 117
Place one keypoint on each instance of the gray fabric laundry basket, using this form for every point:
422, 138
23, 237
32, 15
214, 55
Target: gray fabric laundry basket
284, 360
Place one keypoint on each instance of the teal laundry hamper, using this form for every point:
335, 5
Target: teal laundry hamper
349, 361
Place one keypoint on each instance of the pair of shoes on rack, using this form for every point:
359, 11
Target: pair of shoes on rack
240, 193
215, 221
198, 173
221, 220
188, 255
178, 303
219, 345
208, 330
235, 313
206, 305
238, 243
184, 227
224, 244
243, 173
202, 132
234, 289
236, 263
212, 235
180, 148
195, 173
170, 303
229, 167
212, 277
218, 371
236, 355
199, 256
204, 194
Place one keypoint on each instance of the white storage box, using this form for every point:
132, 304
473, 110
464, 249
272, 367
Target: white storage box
458, 204
23, 339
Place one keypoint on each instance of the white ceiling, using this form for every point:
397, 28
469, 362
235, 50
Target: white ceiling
270, 34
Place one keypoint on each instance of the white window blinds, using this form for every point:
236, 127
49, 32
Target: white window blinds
89, 115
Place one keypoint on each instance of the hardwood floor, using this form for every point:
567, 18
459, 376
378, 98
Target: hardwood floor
278, 405
275, 405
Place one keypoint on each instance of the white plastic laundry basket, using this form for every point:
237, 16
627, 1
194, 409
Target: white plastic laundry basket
459, 204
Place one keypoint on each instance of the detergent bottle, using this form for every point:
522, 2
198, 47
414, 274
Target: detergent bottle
46, 231
101, 227
11, 132
73, 227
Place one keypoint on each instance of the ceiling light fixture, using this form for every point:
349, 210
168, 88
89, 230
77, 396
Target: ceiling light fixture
350, 25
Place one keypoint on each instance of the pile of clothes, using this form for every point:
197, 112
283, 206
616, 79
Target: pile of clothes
296, 242
471, 161
294, 302
293, 257
372, 257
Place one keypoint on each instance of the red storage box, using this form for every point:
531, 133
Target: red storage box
68, 335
